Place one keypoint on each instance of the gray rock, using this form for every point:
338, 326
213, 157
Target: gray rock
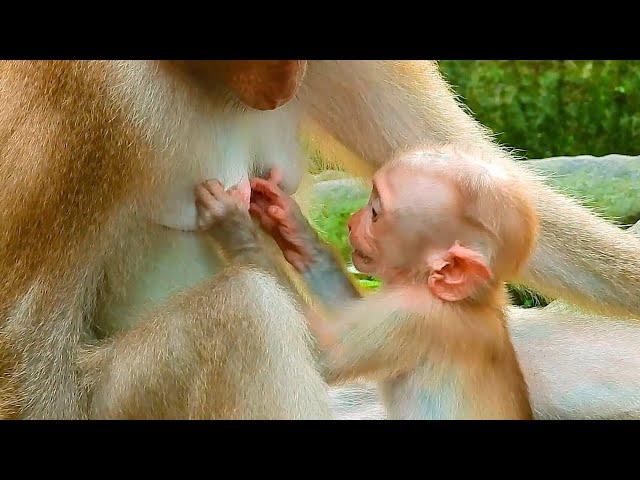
335, 188
635, 229
328, 175
610, 184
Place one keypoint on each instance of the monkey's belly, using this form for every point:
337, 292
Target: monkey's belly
174, 261
428, 393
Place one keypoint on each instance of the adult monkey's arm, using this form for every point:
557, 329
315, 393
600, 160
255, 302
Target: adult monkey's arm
376, 107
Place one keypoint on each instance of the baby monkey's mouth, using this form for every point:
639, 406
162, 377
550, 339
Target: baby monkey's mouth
361, 256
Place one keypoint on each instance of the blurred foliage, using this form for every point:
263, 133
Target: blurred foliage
330, 221
553, 107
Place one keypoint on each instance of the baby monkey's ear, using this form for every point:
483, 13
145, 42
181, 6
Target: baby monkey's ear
457, 272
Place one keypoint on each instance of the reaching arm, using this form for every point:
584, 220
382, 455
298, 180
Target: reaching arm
376, 107
318, 265
367, 340
328, 280
378, 337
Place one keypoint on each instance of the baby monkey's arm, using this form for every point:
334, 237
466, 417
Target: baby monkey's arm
383, 336
319, 266
361, 337
370, 339
364, 339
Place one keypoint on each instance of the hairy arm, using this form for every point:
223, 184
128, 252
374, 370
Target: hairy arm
324, 273
386, 334
365, 340
328, 280
317, 263
224, 215
376, 107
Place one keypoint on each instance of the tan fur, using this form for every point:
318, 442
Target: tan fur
461, 362
434, 358
192, 356
97, 158
88, 163
493, 199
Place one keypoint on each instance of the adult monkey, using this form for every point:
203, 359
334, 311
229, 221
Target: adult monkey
99, 160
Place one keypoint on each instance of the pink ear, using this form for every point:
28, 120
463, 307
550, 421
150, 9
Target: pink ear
458, 273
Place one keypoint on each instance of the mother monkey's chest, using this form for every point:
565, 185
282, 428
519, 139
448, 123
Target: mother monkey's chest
192, 138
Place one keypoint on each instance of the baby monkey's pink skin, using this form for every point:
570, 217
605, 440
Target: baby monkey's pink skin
424, 224
443, 229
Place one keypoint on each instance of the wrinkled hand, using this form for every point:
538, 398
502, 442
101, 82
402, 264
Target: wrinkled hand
281, 218
215, 205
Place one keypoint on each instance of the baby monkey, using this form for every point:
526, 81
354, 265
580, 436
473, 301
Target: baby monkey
443, 229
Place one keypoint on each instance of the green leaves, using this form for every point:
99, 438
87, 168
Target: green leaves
555, 107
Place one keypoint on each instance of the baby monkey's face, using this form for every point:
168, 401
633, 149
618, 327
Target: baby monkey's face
390, 232
409, 232
364, 234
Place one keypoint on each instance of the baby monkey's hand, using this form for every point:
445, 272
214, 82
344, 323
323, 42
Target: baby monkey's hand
281, 218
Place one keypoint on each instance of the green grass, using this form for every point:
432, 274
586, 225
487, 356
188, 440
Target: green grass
330, 221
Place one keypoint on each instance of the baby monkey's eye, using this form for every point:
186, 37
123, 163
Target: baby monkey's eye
374, 214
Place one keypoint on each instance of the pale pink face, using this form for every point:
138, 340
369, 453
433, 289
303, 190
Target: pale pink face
381, 240
414, 230
364, 232
409, 228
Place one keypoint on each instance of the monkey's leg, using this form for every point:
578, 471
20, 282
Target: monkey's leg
236, 347
376, 107
231, 332
578, 366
